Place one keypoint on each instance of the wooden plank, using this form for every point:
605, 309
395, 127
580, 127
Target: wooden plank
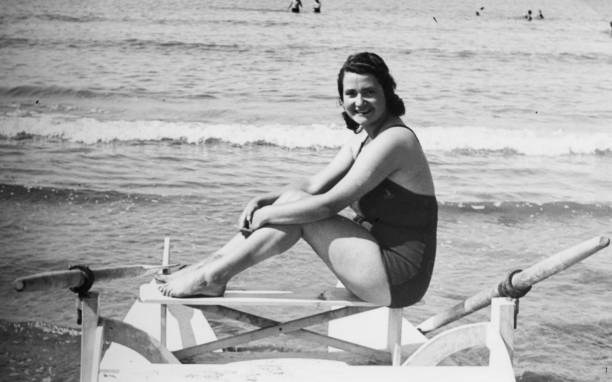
282, 328
300, 370
149, 293
164, 308
502, 320
268, 353
90, 346
394, 336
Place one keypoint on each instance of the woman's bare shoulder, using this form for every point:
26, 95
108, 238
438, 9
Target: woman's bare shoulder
355, 142
400, 135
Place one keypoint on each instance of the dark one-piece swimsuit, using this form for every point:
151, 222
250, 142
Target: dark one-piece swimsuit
404, 224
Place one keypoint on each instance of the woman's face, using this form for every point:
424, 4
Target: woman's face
363, 99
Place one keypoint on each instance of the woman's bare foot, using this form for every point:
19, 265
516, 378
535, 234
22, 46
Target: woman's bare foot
185, 269
190, 284
191, 281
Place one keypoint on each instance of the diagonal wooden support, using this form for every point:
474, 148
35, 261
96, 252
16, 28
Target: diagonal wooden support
304, 334
282, 328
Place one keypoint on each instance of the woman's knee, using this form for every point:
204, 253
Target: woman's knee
291, 196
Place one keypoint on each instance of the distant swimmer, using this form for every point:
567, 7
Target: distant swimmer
435, 19
295, 6
540, 15
528, 16
480, 10
317, 7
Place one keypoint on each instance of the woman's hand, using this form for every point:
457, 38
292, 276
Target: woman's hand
259, 219
246, 222
256, 221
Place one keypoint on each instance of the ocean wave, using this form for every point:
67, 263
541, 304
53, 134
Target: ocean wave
456, 140
42, 91
8, 42
54, 195
520, 209
179, 45
85, 195
33, 91
130, 43
51, 17
68, 18
512, 55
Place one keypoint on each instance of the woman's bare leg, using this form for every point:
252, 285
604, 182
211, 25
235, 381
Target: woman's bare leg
209, 276
348, 250
353, 255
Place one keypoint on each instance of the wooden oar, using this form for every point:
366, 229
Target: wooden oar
526, 278
74, 278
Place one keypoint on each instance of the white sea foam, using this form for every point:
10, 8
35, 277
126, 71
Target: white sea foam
468, 140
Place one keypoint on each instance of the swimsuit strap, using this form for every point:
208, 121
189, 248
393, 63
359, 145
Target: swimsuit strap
362, 144
367, 136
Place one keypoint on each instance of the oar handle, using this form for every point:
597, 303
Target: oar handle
50, 280
528, 277
75, 278
560, 261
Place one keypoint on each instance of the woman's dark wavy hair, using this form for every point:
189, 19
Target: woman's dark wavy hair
373, 64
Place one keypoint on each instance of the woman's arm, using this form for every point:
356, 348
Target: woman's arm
384, 155
316, 184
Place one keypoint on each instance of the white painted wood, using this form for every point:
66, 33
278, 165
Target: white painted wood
499, 359
97, 352
278, 329
185, 326
447, 343
302, 370
164, 308
372, 329
91, 340
394, 336
502, 318
149, 293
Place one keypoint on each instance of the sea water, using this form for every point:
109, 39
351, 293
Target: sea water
124, 122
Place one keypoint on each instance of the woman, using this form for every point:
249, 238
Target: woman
386, 254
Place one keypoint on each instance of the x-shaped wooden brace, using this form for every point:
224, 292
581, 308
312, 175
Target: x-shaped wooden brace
269, 327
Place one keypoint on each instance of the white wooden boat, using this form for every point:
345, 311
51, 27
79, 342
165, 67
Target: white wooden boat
170, 339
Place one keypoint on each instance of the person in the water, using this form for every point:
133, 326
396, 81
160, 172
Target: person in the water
295, 6
385, 253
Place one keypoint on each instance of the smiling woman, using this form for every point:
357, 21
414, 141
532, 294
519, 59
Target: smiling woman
386, 254
377, 82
